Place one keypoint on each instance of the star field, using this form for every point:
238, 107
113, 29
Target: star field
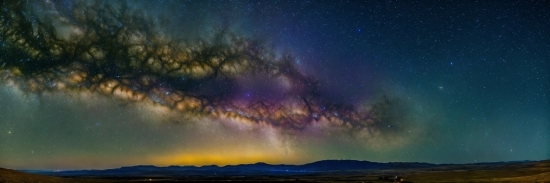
107, 84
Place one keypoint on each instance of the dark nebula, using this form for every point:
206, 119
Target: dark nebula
115, 51
99, 84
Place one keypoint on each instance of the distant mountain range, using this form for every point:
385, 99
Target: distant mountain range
262, 169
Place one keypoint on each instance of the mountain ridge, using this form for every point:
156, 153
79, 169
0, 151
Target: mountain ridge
263, 168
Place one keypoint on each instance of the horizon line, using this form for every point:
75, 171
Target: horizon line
222, 166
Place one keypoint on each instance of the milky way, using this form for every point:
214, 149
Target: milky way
114, 51
109, 84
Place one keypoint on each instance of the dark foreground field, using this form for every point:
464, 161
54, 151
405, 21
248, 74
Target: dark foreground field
508, 172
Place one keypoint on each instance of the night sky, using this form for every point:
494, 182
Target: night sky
91, 85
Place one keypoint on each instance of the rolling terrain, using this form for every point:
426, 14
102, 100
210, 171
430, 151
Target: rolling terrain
13, 176
321, 171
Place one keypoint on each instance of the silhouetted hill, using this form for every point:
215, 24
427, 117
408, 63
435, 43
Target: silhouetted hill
324, 166
346, 165
13, 176
243, 169
321, 171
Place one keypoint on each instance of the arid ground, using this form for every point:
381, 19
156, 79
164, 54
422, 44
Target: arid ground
517, 172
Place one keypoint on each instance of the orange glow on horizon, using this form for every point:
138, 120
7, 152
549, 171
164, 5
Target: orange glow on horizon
224, 158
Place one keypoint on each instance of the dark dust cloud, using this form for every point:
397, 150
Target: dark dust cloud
103, 84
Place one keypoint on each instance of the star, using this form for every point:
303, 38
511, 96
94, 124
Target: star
289, 88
